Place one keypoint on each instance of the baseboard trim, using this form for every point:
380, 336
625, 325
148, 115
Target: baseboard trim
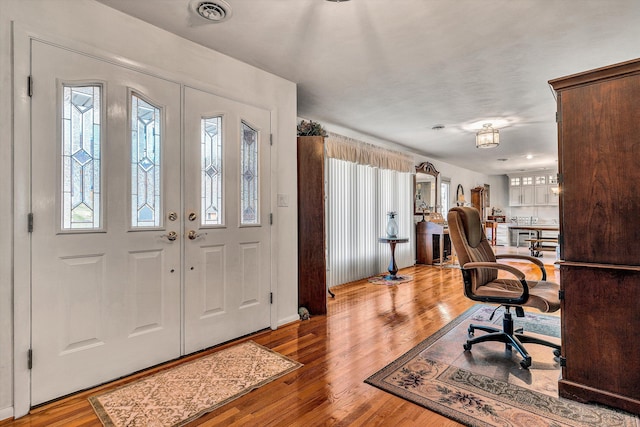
6, 413
288, 320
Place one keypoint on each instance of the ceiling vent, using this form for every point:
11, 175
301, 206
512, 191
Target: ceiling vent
213, 11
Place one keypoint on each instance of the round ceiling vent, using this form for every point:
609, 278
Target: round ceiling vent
214, 11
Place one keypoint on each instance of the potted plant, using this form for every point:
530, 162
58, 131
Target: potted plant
311, 128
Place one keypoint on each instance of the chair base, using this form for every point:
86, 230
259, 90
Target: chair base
511, 339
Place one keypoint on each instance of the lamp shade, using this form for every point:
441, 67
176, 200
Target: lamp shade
487, 137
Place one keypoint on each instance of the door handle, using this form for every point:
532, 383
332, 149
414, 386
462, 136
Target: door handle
193, 235
171, 236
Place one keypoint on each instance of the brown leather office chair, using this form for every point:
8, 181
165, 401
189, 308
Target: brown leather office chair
481, 283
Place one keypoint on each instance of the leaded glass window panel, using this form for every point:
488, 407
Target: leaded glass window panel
81, 166
249, 189
211, 170
146, 132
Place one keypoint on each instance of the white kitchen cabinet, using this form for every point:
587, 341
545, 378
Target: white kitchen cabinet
530, 190
521, 190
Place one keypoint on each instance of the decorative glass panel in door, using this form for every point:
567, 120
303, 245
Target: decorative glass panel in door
81, 167
211, 171
145, 164
249, 187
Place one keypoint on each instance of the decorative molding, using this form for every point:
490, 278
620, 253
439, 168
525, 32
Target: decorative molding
428, 168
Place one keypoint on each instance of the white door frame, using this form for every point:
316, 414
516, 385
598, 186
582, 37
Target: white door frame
21, 240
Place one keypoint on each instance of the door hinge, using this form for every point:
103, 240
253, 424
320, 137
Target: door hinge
558, 117
30, 86
561, 294
271, 297
30, 359
30, 222
270, 139
270, 219
563, 361
560, 180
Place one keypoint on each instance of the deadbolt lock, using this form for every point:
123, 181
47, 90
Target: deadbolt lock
173, 216
192, 216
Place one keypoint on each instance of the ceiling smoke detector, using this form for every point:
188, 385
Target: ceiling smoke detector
214, 11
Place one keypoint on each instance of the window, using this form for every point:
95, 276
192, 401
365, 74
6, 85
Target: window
211, 171
145, 163
81, 166
445, 188
249, 187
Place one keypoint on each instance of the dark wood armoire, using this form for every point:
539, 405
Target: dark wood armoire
312, 273
599, 173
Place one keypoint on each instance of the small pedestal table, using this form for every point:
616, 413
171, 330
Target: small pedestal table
393, 268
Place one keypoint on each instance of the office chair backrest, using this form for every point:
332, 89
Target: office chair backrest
471, 245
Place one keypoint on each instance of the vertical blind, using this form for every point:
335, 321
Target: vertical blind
358, 199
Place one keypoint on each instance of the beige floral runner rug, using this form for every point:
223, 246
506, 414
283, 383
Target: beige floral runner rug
487, 386
186, 392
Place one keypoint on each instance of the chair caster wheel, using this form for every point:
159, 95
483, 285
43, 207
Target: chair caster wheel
556, 353
466, 346
525, 363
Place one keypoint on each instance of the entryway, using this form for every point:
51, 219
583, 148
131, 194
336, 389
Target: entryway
150, 212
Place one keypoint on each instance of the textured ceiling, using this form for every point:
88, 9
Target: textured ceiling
393, 69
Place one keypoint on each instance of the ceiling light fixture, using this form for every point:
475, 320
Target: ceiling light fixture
487, 137
214, 10
337, 1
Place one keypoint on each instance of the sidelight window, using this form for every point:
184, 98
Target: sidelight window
81, 152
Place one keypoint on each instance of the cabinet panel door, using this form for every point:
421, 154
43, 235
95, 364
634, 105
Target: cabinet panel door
541, 195
600, 341
527, 196
600, 167
515, 196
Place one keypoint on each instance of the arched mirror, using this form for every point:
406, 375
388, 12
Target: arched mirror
426, 184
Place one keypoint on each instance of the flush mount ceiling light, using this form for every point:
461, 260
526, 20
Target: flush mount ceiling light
337, 1
214, 10
487, 137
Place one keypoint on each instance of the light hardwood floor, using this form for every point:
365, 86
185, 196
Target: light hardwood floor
367, 327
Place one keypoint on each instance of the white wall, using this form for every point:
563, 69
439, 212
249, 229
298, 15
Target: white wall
103, 30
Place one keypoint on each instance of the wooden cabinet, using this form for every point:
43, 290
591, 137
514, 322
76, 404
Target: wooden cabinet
599, 168
478, 200
312, 272
429, 237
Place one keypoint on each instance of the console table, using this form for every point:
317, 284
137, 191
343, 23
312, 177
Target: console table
432, 241
393, 268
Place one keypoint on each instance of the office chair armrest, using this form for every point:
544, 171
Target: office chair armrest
531, 259
519, 274
524, 296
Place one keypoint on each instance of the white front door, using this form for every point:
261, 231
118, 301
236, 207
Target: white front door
111, 260
227, 163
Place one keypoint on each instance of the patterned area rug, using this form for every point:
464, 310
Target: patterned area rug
487, 386
186, 392
384, 279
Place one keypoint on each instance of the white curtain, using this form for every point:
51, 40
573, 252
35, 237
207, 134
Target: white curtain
358, 199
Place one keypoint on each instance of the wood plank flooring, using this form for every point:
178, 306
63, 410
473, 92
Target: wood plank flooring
367, 327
